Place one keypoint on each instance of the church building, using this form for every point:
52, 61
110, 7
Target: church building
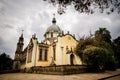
56, 49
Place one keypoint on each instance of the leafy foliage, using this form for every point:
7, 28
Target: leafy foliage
95, 56
87, 6
82, 45
97, 51
5, 62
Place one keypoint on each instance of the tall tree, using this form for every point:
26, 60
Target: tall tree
88, 6
103, 34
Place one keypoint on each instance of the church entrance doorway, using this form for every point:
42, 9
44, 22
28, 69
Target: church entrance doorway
72, 59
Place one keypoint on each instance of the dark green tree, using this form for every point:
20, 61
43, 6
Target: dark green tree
95, 57
103, 38
103, 34
88, 6
116, 48
5, 62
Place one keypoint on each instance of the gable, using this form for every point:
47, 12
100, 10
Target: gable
68, 41
69, 38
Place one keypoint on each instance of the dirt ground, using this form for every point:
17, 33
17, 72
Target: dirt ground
83, 76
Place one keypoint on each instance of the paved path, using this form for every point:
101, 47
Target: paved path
83, 76
114, 78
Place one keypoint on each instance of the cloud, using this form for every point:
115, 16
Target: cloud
107, 20
35, 16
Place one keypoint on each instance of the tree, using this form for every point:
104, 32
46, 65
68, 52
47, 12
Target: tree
82, 45
88, 6
103, 34
95, 57
5, 62
116, 48
97, 51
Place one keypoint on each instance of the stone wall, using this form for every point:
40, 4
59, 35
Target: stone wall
59, 69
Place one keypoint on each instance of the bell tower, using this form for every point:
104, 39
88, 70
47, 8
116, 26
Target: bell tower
19, 48
18, 53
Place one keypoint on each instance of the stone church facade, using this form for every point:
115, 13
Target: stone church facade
56, 49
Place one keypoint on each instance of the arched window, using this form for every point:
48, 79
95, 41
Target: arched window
46, 53
29, 55
40, 54
54, 54
51, 34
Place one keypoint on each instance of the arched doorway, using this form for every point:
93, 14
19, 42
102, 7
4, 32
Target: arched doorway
72, 59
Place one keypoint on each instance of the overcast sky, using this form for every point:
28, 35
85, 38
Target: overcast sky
35, 16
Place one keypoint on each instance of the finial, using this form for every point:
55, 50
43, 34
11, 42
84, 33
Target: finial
54, 20
34, 35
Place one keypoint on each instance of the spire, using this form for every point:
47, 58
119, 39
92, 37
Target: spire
54, 20
21, 37
21, 41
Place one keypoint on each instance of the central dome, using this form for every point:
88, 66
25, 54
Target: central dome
53, 28
53, 31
